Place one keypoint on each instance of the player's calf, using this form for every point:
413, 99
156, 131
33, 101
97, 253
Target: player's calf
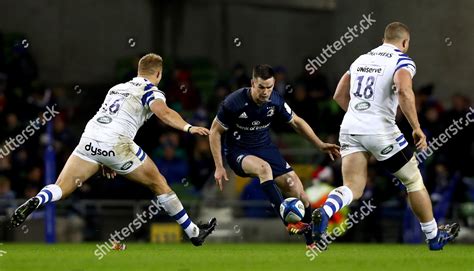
255, 166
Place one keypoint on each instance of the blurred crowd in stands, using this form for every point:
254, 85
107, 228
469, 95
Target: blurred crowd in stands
196, 90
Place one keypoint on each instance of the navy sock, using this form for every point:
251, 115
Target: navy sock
308, 236
273, 194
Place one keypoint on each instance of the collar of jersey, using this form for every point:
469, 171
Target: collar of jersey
391, 45
141, 78
249, 97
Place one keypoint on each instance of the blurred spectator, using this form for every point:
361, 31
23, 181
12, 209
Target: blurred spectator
300, 103
171, 161
220, 92
239, 78
201, 163
460, 147
7, 206
181, 92
253, 192
7, 196
281, 81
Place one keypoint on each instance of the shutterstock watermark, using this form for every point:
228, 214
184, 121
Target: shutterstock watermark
115, 238
327, 52
436, 143
365, 210
13, 143
452, 130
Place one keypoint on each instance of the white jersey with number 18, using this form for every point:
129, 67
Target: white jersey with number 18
374, 101
124, 110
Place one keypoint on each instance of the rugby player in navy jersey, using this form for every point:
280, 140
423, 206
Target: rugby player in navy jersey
245, 117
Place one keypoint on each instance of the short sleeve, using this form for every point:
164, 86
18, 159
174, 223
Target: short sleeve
405, 62
152, 93
223, 116
285, 112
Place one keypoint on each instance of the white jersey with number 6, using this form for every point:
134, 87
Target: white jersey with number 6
374, 101
124, 110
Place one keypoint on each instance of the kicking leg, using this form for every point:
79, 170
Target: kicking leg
75, 171
149, 175
255, 166
354, 174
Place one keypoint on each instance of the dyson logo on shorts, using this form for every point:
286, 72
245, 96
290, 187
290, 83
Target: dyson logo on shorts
97, 151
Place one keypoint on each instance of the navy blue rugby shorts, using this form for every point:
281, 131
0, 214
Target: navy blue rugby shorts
270, 154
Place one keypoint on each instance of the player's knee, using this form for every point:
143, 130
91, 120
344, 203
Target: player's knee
264, 171
410, 176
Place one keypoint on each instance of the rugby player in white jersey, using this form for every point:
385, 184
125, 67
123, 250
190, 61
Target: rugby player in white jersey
108, 140
365, 92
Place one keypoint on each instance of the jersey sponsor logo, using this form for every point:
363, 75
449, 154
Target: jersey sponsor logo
385, 54
243, 116
253, 128
362, 106
137, 84
96, 151
271, 111
387, 150
126, 165
370, 69
104, 119
255, 122
113, 92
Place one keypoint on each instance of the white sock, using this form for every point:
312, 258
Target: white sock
174, 208
337, 199
430, 229
51, 192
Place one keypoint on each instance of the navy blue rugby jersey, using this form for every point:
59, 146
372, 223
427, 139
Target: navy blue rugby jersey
248, 124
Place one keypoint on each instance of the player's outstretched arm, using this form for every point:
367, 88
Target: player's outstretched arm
303, 128
173, 119
215, 142
342, 96
406, 99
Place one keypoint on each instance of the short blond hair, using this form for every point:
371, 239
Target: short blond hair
150, 64
396, 31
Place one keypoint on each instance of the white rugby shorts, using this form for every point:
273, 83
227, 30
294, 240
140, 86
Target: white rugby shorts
123, 156
381, 147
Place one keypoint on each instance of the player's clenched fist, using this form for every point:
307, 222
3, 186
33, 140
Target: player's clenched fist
199, 130
220, 175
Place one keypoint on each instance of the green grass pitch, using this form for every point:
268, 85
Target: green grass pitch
185, 257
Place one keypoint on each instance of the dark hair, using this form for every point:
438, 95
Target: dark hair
263, 71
